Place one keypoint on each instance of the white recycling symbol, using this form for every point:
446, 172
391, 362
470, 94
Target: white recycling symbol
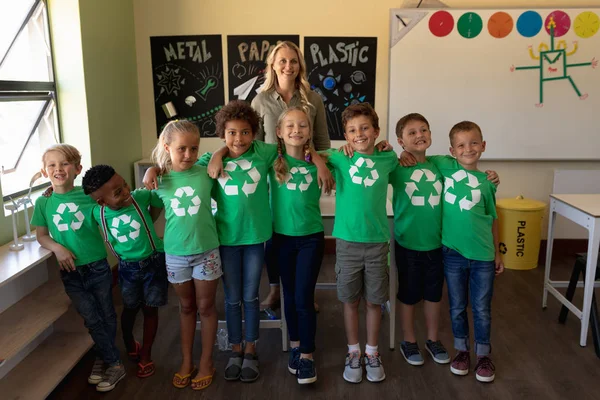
248, 188
73, 209
472, 182
412, 187
367, 181
192, 208
126, 220
306, 177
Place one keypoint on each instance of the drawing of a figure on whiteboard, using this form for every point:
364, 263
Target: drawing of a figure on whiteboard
553, 64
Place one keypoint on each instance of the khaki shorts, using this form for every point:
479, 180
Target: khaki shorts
362, 268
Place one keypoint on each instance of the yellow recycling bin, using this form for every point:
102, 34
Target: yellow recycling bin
520, 225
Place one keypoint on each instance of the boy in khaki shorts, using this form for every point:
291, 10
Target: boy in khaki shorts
362, 234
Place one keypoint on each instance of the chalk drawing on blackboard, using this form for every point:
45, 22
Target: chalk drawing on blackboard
243, 91
170, 81
190, 100
553, 63
210, 80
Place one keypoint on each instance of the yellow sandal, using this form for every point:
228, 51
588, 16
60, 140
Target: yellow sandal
204, 381
181, 381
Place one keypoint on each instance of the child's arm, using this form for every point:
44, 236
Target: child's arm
155, 213
151, 178
324, 178
66, 259
498, 259
348, 151
493, 177
215, 166
406, 159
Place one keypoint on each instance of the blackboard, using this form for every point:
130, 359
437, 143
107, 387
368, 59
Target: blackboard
247, 56
342, 71
188, 71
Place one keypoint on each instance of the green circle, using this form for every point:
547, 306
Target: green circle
469, 25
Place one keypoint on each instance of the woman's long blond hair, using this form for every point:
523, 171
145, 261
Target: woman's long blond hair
280, 166
160, 155
301, 80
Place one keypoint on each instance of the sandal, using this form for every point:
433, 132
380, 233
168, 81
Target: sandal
135, 355
181, 381
203, 382
146, 370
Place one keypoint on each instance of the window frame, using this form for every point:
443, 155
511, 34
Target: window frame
12, 91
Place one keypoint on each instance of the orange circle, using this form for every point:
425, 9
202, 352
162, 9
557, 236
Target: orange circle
500, 25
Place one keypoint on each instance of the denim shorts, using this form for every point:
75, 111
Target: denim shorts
361, 268
203, 267
144, 282
420, 275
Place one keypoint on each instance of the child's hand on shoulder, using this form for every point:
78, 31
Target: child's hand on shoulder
66, 259
493, 177
499, 264
347, 150
151, 178
407, 159
215, 167
384, 145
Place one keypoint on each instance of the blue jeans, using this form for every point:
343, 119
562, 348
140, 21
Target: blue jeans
461, 275
144, 282
242, 267
90, 289
299, 260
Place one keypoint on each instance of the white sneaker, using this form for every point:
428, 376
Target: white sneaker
353, 369
374, 367
112, 376
97, 372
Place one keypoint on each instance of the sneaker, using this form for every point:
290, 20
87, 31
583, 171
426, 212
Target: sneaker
112, 376
411, 353
437, 351
249, 368
461, 363
294, 360
485, 370
97, 372
374, 367
353, 369
306, 371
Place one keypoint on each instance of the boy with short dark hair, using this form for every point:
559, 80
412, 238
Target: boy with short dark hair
128, 230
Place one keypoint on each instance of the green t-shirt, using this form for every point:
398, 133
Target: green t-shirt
469, 210
417, 206
69, 220
190, 225
126, 231
361, 195
243, 214
295, 202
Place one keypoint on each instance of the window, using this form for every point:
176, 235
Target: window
28, 116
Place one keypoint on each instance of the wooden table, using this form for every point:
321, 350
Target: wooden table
583, 209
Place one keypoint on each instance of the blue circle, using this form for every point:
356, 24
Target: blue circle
329, 83
529, 24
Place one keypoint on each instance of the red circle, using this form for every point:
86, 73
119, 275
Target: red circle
441, 23
562, 21
500, 24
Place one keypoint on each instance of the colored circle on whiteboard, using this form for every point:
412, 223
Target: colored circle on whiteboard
529, 24
441, 23
500, 25
562, 21
586, 24
469, 25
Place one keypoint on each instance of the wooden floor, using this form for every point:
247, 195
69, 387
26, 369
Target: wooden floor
535, 356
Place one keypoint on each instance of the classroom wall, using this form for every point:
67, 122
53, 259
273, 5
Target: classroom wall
326, 18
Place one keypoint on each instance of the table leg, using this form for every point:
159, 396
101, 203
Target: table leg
590, 276
550, 242
284, 331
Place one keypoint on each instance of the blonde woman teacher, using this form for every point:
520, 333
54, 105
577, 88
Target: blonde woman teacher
286, 86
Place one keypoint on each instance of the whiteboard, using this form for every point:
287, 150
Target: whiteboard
454, 65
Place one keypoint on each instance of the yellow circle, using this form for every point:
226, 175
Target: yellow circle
586, 24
